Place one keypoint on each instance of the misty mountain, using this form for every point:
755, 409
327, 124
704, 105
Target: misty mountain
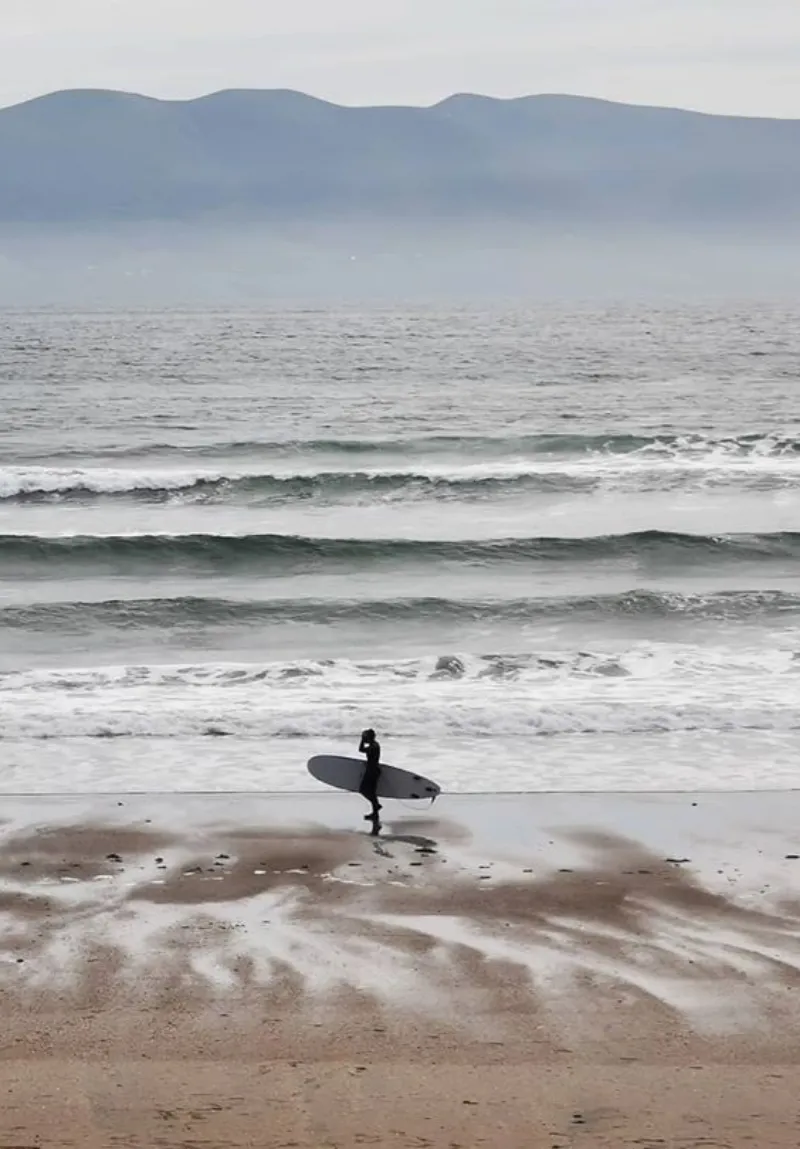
97, 158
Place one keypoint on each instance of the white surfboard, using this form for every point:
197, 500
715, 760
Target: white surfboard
347, 773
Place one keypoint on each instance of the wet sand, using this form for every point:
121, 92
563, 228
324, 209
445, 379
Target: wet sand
541, 970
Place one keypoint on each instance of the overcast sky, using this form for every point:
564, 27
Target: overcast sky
737, 56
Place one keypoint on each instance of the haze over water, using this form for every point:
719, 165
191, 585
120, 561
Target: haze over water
534, 547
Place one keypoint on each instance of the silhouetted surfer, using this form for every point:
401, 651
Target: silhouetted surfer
370, 746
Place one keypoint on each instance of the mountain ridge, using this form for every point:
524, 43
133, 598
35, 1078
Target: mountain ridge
483, 97
99, 155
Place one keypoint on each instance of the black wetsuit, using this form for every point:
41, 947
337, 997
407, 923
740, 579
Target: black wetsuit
372, 773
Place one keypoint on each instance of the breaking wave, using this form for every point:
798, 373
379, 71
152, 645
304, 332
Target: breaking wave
195, 611
754, 444
275, 552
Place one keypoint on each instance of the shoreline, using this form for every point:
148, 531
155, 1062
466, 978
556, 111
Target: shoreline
485, 969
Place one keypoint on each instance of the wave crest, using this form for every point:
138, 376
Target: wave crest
196, 611
270, 552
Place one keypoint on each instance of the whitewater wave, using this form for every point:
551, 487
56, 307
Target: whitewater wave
196, 486
649, 662
196, 611
650, 689
403, 717
287, 553
468, 481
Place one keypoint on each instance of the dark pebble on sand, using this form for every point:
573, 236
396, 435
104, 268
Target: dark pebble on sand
565, 871
159, 861
113, 858
793, 857
677, 861
223, 857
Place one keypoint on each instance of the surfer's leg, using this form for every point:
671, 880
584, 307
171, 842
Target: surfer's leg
369, 790
375, 812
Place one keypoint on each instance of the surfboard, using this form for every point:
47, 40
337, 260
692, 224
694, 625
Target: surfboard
346, 774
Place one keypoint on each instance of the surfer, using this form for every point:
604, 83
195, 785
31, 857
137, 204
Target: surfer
370, 746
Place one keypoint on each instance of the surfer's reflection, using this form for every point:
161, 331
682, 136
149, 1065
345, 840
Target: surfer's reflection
370, 746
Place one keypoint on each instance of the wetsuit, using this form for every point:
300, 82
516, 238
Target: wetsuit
372, 773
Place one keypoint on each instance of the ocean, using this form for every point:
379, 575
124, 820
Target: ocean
534, 547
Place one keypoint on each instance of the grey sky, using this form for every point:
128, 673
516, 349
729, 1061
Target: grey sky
737, 56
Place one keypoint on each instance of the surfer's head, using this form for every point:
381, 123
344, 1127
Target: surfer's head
368, 736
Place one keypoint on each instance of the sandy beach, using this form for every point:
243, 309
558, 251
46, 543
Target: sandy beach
537, 970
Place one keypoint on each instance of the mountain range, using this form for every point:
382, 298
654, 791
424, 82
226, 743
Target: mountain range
81, 158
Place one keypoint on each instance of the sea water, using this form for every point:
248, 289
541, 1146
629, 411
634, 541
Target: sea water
534, 547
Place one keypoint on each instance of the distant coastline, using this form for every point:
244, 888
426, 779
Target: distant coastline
102, 157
